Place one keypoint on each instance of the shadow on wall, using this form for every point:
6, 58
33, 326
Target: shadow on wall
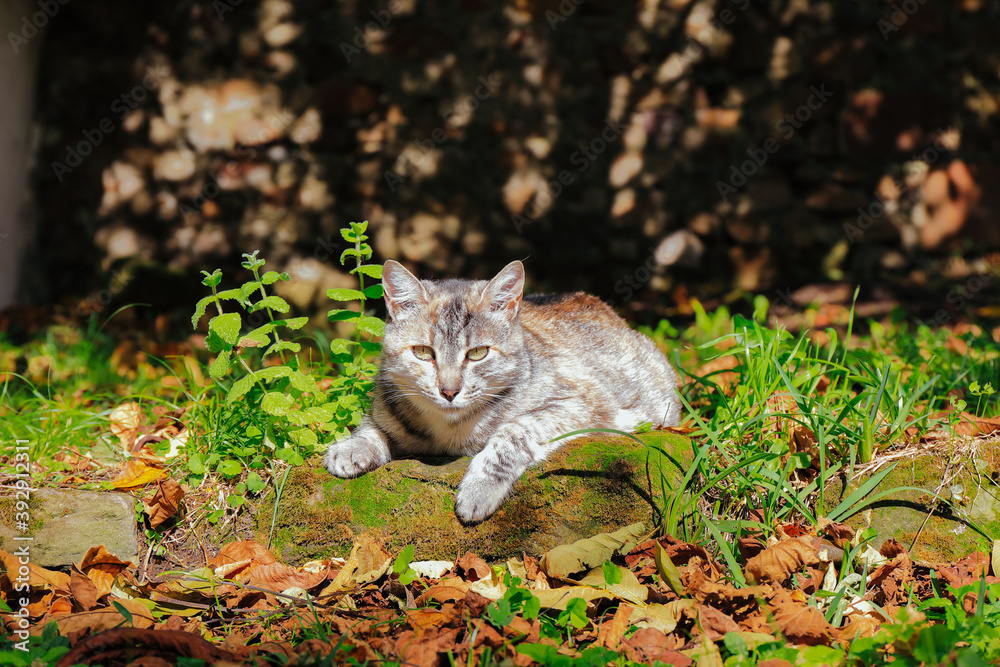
22, 22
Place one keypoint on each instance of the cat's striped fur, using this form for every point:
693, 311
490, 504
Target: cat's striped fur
555, 364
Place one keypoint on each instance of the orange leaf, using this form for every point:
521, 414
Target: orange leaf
135, 474
102, 568
38, 577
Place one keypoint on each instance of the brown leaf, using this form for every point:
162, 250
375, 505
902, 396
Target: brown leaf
125, 422
971, 425
611, 632
137, 473
777, 563
278, 577
239, 552
83, 589
485, 634
427, 650
749, 547
105, 618
719, 595
803, 624
857, 625
446, 590
647, 645
715, 623
891, 548
838, 533
164, 502
102, 568
475, 567
122, 645
38, 577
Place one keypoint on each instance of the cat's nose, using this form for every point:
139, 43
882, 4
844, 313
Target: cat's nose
449, 394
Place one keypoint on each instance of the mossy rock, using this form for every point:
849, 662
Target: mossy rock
592, 485
947, 535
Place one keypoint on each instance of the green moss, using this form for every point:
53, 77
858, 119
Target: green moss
945, 537
591, 485
8, 512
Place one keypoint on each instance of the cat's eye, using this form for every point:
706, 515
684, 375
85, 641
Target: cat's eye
477, 353
423, 352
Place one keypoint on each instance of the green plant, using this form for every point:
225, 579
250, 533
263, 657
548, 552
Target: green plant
274, 408
41, 649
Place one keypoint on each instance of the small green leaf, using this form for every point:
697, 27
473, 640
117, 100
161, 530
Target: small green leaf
668, 571
272, 302
403, 560
283, 345
348, 235
304, 383
212, 279
240, 388
230, 295
220, 366
200, 308
350, 252
612, 575
227, 326
254, 483
371, 325
272, 277
235, 501
373, 292
196, 464
292, 323
340, 294
370, 270
230, 468
304, 437
359, 227
123, 610
247, 289
252, 262
339, 315
276, 403
260, 336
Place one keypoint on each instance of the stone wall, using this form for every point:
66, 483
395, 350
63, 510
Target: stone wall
646, 151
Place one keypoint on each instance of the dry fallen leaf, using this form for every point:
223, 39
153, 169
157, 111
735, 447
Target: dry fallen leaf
137, 473
164, 503
246, 551
777, 563
590, 552
475, 567
38, 577
125, 422
279, 577
802, 624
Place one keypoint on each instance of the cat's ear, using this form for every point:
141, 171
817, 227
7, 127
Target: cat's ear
503, 294
403, 291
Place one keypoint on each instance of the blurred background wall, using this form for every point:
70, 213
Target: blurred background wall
648, 151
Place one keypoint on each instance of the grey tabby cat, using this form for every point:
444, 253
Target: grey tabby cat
469, 368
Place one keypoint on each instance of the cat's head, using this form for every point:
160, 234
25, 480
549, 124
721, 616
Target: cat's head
454, 345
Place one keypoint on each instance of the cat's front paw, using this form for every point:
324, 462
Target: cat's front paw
354, 456
478, 499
